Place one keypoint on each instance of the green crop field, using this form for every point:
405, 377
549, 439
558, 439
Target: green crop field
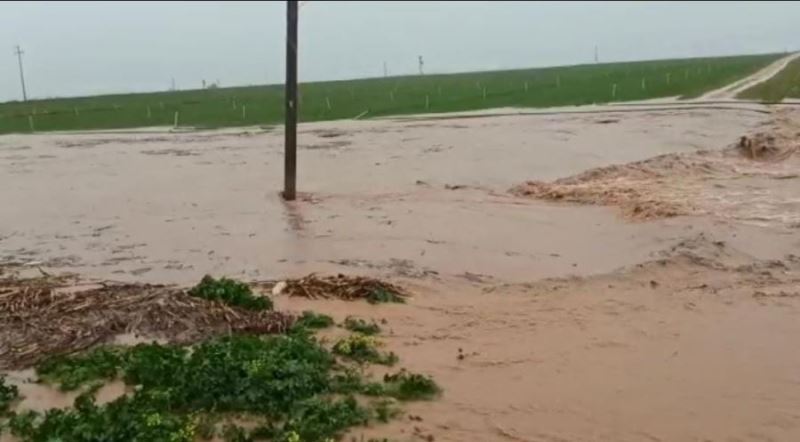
260, 105
786, 84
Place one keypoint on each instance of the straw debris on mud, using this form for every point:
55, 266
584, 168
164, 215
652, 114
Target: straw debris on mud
348, 288
45, 315
42, 315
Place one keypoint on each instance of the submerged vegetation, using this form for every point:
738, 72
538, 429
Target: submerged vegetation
230, 292
286, 386
242, 388
361, 326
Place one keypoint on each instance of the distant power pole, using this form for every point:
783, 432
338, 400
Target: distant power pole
421, 65
290, 130
173, 83
596, 54
385, 70
19, 53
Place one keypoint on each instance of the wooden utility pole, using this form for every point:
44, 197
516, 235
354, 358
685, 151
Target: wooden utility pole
290, 137
18, 51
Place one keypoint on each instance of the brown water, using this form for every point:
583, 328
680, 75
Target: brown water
172, 207
691, 340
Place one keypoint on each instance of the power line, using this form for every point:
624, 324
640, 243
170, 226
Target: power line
18, 51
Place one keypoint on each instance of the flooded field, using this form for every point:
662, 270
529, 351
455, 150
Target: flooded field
615, 276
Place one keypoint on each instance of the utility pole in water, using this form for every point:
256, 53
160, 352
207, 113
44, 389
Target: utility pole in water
290, 136
18, 51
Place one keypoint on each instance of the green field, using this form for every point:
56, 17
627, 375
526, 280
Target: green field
786, 84
258, 105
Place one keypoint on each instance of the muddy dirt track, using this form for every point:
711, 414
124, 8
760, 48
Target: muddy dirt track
580, 316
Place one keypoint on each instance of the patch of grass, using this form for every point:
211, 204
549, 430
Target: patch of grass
363, 349
361, 326
8, 394
785, 84
541, 87
230, 292
290, 383
381, 295
70, 372
313, 321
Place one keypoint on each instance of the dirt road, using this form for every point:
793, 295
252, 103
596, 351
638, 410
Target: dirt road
731, 91
577, 322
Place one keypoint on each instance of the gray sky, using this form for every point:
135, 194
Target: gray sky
77, 48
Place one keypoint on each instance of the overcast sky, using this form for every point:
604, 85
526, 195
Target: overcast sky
78, 48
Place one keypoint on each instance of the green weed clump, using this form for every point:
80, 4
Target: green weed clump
291, 384
316, 420
70, 372
8, 394
137, 418
230, 292
407, 386
384, 296
313, 321
361, 326
363, 349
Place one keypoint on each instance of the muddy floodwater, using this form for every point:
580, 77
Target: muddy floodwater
608, 275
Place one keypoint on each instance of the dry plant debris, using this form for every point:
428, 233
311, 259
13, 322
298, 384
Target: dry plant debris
47, 315
348, 288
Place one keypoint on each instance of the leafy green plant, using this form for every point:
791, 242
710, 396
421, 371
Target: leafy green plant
23, 424
73, 371
125, 419
363, 349
244, 373
291, 383
361, 326
8, 394
230, 292
313, 321
316, 420
154, 365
